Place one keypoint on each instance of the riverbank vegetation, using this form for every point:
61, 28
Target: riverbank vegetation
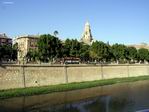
65, 87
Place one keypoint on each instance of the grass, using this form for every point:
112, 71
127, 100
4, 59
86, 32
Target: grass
65, 87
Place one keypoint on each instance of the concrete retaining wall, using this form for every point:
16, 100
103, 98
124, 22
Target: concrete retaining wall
21, 76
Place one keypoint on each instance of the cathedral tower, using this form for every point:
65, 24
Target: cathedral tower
87, 35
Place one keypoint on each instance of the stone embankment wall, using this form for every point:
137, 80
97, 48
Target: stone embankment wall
21, 76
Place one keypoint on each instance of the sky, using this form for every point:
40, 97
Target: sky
113, 21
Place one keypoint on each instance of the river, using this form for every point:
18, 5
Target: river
123, 97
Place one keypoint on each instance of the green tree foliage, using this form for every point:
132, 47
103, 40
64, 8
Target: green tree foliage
119, 51
7, 53
143, 54
84, 52
49, 47
71, 48
131, 53
14, 51
75, 47
66, 48
1, 53
55, 33
99, 51
32, 55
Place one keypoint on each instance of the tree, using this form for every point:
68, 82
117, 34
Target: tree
14, 51
1, 53
84, 52
143, 54
99, 51
131, 53
6, 52
71, 48
49, 47
119, 51
66, 48
55, 33
75, 47
94, 50
32, 55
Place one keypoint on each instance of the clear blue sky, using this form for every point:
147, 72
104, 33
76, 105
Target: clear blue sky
116, 21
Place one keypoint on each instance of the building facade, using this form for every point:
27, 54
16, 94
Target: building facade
26, 43
4, 40
87, 35
141, 45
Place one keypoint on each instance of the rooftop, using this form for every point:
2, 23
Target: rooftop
141, 45
28, 36
3, 35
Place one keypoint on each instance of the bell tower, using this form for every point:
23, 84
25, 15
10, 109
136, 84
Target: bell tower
87, 35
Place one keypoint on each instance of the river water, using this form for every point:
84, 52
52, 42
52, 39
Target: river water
124, 97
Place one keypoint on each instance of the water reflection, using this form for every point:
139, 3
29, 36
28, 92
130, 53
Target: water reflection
128, 97
102, 104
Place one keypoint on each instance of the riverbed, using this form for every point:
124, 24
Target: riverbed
123, 97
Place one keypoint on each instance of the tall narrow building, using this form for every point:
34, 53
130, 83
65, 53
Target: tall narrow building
87, 35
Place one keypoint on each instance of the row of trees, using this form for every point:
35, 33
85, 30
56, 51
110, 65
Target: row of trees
50, 48
118, 53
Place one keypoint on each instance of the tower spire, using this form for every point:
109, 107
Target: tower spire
87, 35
